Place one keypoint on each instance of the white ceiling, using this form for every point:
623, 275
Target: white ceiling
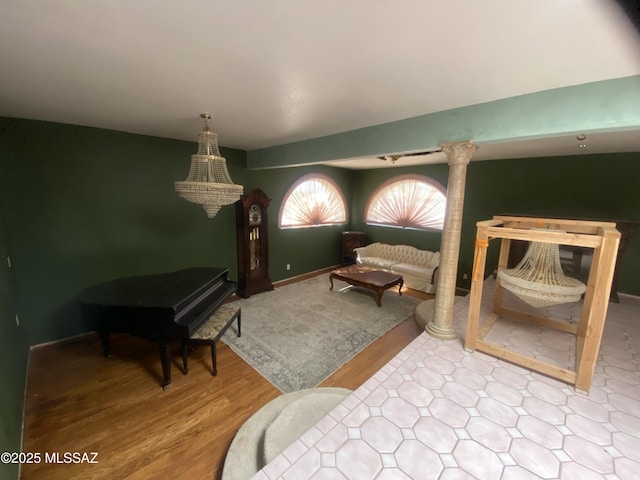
273, 72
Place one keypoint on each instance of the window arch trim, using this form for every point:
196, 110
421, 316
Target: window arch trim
317, 215
401, 214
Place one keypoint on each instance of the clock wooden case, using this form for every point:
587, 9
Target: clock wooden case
253, 243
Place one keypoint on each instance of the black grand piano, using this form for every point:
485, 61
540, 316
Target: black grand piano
160, 308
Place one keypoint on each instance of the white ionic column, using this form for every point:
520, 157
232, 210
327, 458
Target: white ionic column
458, 154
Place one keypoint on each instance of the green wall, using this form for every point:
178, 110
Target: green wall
306, 249
83, 205
13, 351
603, 187
87, 205
600, 187
365, 184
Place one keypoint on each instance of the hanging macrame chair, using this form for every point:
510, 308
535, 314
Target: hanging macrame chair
539, 280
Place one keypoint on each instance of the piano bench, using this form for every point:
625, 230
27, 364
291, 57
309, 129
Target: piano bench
210, 332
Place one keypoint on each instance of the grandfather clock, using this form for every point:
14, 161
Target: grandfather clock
253, 243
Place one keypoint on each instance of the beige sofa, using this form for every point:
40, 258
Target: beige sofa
417, 267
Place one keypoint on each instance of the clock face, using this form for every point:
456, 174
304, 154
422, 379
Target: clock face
255, 215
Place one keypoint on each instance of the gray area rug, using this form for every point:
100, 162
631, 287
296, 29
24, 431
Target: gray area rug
299, 334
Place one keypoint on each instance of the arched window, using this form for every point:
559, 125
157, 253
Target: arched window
408, 201
312, 201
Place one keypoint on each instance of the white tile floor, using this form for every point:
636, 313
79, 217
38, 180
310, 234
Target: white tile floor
438, 412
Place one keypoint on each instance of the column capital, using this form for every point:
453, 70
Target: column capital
459, 152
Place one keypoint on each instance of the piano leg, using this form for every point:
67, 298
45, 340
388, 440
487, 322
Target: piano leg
165, 357
185, 352
213, 359
104, 340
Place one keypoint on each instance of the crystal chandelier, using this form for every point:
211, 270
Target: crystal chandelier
209, 183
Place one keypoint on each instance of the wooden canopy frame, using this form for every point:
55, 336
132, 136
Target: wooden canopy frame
601, 236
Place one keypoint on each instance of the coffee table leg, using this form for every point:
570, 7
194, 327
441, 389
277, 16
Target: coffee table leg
400, 288
379, 292
331, 280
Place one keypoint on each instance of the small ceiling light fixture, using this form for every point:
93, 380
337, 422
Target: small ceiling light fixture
209, 183
581, 138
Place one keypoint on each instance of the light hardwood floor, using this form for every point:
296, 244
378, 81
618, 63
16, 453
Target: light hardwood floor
79, 401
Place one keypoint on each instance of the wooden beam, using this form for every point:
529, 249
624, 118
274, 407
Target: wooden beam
477, 281
592, 322
487, 325
545, 321
527, 362
561, 238
601, 236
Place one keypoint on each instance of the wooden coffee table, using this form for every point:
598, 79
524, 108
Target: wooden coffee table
360, 276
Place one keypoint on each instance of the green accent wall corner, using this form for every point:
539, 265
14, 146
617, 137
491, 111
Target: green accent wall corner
14, 352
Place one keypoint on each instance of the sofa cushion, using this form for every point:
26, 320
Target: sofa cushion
413, 256
415, 265
376, 262
409, 269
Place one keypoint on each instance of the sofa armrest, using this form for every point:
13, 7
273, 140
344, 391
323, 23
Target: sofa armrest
360, 251
433, 276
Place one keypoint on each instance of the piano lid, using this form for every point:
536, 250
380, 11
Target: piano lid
174, 290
